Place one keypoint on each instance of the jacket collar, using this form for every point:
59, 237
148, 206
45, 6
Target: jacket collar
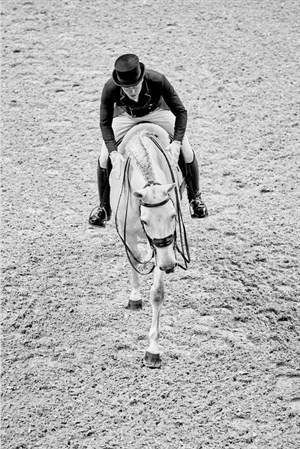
124, 98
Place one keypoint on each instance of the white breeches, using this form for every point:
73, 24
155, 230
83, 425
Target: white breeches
164, 118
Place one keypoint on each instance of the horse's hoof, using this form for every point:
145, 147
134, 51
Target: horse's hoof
134, 305
152, 360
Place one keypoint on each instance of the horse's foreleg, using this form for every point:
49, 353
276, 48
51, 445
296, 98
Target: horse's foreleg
152, 358
135, 301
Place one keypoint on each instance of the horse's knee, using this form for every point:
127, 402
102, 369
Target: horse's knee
157, 295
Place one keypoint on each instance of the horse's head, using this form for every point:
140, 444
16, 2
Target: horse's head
158, 218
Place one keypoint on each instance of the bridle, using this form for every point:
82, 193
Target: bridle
164, 241
183, 250
184, 247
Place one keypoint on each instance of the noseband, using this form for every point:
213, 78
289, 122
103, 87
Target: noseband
165, 241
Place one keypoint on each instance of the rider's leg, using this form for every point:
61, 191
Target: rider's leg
167, 121
198, 208
102, 213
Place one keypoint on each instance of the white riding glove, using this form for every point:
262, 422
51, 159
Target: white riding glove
173, 149
117, 161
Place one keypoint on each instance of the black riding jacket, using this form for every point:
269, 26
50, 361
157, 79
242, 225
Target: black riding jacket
156, 92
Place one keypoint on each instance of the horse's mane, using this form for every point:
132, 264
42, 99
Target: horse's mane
138, 148
137, 144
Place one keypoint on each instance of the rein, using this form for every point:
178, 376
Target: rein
184, 250
160, 243
127, 248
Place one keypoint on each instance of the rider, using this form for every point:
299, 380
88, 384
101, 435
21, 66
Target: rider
135, 95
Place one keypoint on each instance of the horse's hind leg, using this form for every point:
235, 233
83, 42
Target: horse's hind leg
152, 358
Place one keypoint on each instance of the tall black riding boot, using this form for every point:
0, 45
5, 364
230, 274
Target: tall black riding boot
198, 208
103, 213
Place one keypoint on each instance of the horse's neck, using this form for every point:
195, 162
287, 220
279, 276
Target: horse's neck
148, 159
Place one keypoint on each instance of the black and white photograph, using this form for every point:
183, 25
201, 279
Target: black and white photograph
150, 209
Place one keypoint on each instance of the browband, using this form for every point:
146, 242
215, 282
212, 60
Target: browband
155, 204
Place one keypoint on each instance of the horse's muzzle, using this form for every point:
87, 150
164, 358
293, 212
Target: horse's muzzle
169, 269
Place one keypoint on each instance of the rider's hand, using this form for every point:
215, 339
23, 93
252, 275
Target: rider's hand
117, 160
174, 151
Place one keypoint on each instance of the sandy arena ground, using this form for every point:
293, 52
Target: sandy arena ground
71, 353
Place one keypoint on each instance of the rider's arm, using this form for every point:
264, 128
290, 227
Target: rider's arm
174, 103
106, 118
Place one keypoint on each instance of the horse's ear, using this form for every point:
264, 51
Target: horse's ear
139, 194
169, 187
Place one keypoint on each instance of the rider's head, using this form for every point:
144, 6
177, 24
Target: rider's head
129, 71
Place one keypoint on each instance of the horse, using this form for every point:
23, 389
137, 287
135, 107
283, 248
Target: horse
145, 201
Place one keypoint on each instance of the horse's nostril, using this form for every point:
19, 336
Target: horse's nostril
170, 270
